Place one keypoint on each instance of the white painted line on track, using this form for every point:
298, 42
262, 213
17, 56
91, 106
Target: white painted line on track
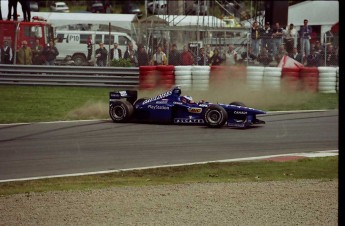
307, 154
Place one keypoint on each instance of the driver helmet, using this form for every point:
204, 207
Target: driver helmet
187, 100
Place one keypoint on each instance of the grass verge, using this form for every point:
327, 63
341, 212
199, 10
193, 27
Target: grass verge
41, 103
255, 171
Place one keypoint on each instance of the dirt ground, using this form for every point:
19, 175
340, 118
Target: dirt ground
300, 202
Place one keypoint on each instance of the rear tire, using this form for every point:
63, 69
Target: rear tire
215, 116
121, 111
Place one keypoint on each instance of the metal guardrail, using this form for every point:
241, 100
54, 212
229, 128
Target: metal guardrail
116, 77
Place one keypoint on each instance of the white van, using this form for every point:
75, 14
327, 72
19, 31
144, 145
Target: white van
74, 43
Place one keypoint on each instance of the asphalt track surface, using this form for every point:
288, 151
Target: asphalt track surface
57, 148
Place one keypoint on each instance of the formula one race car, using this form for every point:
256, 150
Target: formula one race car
171, 107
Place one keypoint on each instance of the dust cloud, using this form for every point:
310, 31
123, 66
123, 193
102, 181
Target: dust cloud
90, 110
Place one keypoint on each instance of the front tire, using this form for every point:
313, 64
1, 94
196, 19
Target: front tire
121, 111
215, 116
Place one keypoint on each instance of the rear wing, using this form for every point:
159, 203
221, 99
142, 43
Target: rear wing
130, 95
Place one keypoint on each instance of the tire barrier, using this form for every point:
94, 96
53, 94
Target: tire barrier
148, 77
166, 76
255, 76
327, 79
337, 87
200, 77
290, 79
183, 77
272, 78
310, 79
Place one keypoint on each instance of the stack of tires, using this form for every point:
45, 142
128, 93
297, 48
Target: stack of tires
327, 79
272, 78
200, 77
310, 79
166, 76
290, 80
255, 76
337, 87
183, 77
148, 77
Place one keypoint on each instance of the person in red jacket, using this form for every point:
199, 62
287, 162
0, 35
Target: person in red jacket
186, 57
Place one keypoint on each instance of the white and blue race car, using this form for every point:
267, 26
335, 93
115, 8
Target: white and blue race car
171, 107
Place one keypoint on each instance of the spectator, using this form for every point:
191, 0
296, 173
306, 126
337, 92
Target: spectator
216, 59
290, 38
101, 55
115, 53
6, 54
277, 34
256, 39
50, 52
131, 54
264, 57
281, 52
143, 57
305, 36
317, 47
331, 57
25, 9
266, 37
209, 51
89, 48
174, 56
186, 57
12, 4
37, 53
313, 59
231, 55
25, 54
159, 58
202, 57
248, 56
296, 55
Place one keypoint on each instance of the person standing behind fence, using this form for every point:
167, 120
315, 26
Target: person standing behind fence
202, 58
256, 39
231, 56
50, 53
131, 54
174, 56
89, 48
296, 55
266, 37
159, 58
186, 57
290, 38
6, 54
101, 55
115, 53
305, 36
277, 34
25, 54
143, 57
37, 53
216, 58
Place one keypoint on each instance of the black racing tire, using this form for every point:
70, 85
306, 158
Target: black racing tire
121, 111
139, 102
215, 116
237, 103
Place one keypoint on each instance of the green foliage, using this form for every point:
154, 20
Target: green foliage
325, 168
121, 63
